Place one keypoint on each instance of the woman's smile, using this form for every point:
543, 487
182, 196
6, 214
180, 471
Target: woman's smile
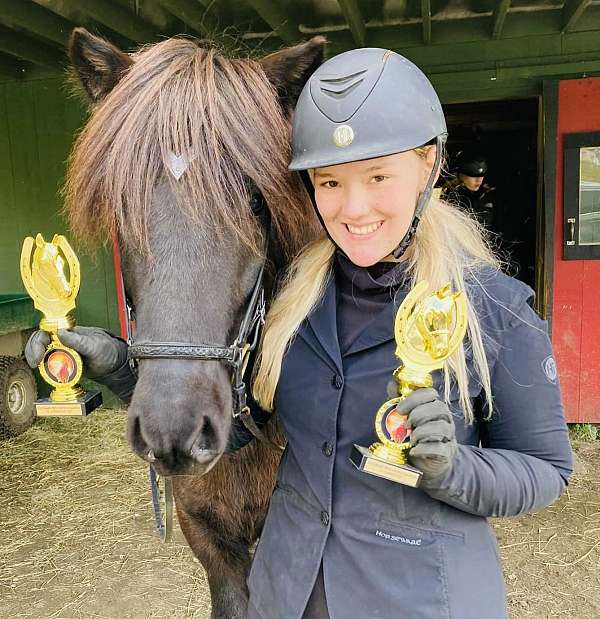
363, 232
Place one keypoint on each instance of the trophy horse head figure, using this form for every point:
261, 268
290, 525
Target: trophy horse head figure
435, 322
50, 273
49, 278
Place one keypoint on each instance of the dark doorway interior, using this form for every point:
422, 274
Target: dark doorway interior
506, 133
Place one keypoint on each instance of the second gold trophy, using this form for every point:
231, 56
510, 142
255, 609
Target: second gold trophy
428, 330
51, 275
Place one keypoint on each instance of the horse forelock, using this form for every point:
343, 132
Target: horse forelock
221, 114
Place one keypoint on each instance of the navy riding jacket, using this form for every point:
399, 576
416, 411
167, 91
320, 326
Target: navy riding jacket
389, 550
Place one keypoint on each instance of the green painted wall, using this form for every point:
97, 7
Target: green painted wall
38, 121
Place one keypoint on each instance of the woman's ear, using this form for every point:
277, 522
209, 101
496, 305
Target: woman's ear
429, 161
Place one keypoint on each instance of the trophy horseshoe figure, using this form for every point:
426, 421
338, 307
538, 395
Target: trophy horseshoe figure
51, 275
428, 330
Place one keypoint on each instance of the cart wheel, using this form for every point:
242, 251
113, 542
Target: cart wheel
18, 392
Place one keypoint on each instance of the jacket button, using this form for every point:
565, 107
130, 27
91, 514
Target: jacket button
324, 518
337, 381
327, 449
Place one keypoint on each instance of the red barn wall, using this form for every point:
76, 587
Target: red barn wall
576, 283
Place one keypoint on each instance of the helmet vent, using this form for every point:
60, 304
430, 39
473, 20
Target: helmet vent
342, 80
340, 94
340, 87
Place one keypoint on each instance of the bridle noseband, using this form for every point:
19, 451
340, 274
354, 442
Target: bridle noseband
235, 356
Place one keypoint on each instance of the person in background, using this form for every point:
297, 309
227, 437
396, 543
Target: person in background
468, 188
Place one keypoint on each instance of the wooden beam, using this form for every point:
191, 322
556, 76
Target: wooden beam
10, 67
450, 50
525, 33
572, 11
426, 17
498, 18
29, 49
272, 12
193, 14
31, 17
471, 80
354, 19
119, 19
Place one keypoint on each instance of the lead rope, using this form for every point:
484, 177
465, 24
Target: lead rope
162, 523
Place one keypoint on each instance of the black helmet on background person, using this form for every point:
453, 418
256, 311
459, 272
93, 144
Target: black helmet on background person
471, 163
362, 104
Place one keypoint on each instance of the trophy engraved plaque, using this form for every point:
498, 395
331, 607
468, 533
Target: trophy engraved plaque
428, 330
51, 275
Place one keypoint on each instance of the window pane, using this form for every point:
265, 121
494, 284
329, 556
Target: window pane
589, 196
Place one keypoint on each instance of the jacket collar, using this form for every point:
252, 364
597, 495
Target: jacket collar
321, 331
323, 326
381, 329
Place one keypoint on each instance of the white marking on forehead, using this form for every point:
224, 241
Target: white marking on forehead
178, 164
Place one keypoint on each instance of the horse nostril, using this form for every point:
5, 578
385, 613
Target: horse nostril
202, 455
205, 447
207, 437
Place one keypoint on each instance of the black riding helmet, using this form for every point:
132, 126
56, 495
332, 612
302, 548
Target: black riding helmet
363, 104
471, 163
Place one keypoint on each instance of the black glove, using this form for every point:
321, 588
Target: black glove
432, 439
101, 352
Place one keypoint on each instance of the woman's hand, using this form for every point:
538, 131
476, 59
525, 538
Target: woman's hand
101, 352
432, 438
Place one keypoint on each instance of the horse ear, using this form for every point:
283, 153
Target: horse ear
98, 64
289, 69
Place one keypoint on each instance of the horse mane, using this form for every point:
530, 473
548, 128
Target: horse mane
222, 115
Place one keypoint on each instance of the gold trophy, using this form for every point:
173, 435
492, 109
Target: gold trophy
428, 329
50, 273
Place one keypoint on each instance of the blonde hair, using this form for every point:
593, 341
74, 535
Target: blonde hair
448, 246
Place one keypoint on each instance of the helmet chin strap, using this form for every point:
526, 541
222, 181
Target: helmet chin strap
420, 207
422, 201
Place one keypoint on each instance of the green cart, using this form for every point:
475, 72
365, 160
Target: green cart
18, 388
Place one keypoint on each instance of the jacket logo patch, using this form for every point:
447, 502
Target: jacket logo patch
549, 367
399, 539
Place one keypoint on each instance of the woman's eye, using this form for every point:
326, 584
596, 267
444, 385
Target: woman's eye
330, 184
379, 178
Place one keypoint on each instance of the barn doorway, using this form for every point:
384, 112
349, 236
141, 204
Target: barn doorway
506, 133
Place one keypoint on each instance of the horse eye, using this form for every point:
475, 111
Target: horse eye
257, 203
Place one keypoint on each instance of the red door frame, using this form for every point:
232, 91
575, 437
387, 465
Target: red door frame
573, 294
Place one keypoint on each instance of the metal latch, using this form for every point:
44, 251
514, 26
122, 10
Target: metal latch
571, 222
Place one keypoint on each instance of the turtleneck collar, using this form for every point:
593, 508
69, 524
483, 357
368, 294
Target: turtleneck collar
371, 280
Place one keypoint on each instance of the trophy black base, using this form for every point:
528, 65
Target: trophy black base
81, 407
365, 461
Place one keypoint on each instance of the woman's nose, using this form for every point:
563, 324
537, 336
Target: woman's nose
356, 204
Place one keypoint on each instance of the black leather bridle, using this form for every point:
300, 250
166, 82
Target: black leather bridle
236, 355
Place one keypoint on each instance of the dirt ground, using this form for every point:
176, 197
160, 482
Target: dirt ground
77, 535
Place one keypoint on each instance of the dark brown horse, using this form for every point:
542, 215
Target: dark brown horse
191, 250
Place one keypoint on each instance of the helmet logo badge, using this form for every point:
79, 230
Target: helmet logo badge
343, 136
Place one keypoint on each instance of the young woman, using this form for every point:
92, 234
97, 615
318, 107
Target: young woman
489, 437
